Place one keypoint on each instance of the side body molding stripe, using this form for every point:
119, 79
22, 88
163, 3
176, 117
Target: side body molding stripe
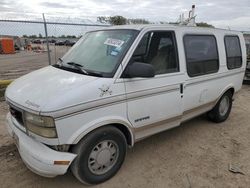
103, 102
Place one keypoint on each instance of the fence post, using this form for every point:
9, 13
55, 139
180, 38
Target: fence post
47, 40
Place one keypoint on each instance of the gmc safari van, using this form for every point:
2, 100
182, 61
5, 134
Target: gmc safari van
117, 86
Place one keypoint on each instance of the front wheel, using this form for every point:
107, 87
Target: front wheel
222, 109
99, 155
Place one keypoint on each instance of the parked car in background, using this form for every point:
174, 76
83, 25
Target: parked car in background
52, 41
37, 41
69, 43
65, 43
116, 87
59, 43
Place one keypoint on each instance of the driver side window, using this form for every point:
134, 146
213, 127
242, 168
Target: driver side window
159, 50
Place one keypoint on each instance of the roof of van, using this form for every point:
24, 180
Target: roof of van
145, 26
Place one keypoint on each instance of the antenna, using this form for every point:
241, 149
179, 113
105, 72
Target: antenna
190, 21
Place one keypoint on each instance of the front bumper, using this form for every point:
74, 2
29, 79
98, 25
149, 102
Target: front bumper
38, 157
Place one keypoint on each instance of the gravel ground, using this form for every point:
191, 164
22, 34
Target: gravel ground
196, 154
18, 64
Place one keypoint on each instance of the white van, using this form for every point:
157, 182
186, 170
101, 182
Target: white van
117, 86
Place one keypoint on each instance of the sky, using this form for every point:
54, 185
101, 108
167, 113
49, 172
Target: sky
229, 14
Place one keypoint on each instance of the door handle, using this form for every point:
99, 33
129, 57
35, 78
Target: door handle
181, 88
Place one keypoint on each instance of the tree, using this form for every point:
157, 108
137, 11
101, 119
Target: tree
25, 36
204, 24
71, 36
164, 22
113, 20
117, 20
120, 20
137, 21
174, 23
33, 36
103, 19
40, 35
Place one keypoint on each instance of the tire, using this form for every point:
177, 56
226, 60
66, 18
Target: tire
99, 155
217, 114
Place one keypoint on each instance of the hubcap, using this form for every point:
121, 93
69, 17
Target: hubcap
224, 106
103, 157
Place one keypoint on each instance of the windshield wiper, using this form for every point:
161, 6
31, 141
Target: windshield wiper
60, 62
60, 59
79, 67
95, 74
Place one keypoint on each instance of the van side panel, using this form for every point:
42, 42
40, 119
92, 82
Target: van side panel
109, 108
72, 129
202, 92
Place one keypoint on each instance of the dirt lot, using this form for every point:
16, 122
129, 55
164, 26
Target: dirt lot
15, 65
196, 154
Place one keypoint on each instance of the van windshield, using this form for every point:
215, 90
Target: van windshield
99, 52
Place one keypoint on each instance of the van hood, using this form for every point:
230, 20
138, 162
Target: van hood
48, 89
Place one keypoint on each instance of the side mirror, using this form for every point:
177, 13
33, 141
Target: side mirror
137, 69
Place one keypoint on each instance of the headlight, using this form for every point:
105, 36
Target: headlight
41, 125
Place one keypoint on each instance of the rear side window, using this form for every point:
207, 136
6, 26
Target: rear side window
233, 51
201, 54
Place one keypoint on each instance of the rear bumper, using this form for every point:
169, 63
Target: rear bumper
38, 157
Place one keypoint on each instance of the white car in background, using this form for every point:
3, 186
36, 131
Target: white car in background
117, 86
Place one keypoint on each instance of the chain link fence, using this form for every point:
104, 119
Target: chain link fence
39, 40
35, 41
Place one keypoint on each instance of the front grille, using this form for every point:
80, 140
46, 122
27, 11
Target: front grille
17, 114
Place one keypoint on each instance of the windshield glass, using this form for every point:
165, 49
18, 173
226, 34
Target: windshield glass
100, 51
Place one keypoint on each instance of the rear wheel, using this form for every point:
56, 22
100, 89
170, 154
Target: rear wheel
99, 155
222, 109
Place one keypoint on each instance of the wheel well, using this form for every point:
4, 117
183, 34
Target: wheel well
121, 127
231, 90
125, 131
